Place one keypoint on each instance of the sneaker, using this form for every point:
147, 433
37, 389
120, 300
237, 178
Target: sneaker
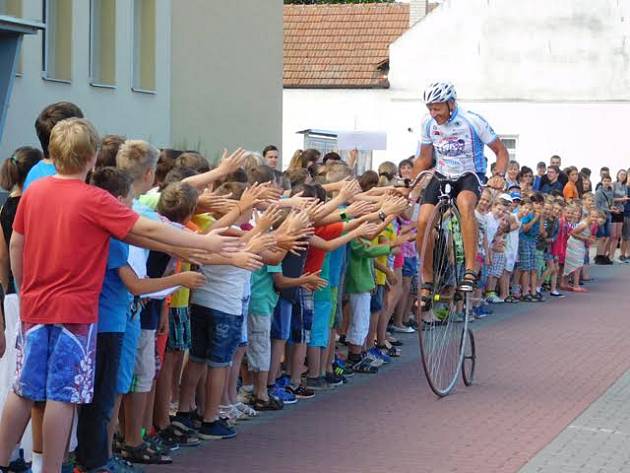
396, 328
492, 298
283, 381
556, 294
281, 393
374, 359
20, 465
411, 323
118, 465
184, 422
342, 368
375, 352
317, 384
607, 260
478, 313
217, 430
231, 414
334, 380
173, 435
247, 410
301, 392
483, 308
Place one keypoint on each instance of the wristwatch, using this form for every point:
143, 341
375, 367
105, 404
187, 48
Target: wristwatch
382, 216
344, 217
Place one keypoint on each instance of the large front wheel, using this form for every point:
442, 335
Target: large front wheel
444, 324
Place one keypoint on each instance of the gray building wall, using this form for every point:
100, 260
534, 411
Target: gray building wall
226, 74
118, 110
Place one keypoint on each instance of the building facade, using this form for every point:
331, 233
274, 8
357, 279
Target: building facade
178, 73
551, 77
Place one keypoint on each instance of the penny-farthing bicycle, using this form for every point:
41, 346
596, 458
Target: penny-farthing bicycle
447, 345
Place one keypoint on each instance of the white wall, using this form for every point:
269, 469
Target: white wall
583, 134
119, 110
591, 135
335, 109
519, 50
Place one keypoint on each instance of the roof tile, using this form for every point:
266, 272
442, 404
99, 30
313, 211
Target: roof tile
339, 45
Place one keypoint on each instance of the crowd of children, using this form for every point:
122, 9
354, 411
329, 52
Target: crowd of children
162, 301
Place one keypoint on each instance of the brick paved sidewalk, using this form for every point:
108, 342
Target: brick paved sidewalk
539, 367
595, 442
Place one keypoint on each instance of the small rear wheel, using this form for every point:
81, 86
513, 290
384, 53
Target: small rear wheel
470, 359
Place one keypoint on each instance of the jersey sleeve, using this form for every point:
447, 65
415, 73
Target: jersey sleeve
482, 128
425, 138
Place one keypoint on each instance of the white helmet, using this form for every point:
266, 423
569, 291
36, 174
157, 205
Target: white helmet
439, 92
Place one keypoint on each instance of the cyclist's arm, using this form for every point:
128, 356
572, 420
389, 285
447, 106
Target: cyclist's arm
503, 157
424, 159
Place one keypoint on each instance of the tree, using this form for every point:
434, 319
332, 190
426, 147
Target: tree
316, 2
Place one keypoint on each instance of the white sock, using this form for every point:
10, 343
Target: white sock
38, 462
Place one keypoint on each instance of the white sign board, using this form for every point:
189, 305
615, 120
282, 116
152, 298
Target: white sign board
362, 140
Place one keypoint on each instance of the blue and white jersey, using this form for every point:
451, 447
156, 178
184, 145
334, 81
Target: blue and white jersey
459, 142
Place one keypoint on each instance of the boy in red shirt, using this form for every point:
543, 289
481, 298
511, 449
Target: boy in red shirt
58, 256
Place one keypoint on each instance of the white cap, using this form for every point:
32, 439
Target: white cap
506, 197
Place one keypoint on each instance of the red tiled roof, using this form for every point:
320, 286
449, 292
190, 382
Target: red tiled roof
340, 45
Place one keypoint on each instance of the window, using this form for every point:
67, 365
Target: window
58, 40
103, 42
511, 143
144, 46
13, 8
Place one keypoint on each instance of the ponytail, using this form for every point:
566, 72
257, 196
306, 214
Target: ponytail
14, 169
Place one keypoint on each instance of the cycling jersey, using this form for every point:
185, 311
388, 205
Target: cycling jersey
459, 142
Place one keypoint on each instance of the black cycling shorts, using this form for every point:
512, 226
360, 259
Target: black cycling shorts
467, 183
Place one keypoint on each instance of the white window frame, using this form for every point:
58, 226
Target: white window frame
512, 150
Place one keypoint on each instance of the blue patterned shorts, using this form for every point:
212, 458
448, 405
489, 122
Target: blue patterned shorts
498, 264
178, 329
527, 254
56, 362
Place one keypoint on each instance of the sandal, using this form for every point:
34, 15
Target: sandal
467, 283
364, 367
425, 300
271, 404
143, 453
389, 350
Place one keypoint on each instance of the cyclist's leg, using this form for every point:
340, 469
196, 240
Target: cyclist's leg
429, 200
466, 202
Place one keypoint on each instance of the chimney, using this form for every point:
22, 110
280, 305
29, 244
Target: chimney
418, 9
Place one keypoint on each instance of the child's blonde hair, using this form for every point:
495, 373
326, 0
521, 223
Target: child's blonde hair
387, 172
73, 145
337, 171
137, 157
178, 202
